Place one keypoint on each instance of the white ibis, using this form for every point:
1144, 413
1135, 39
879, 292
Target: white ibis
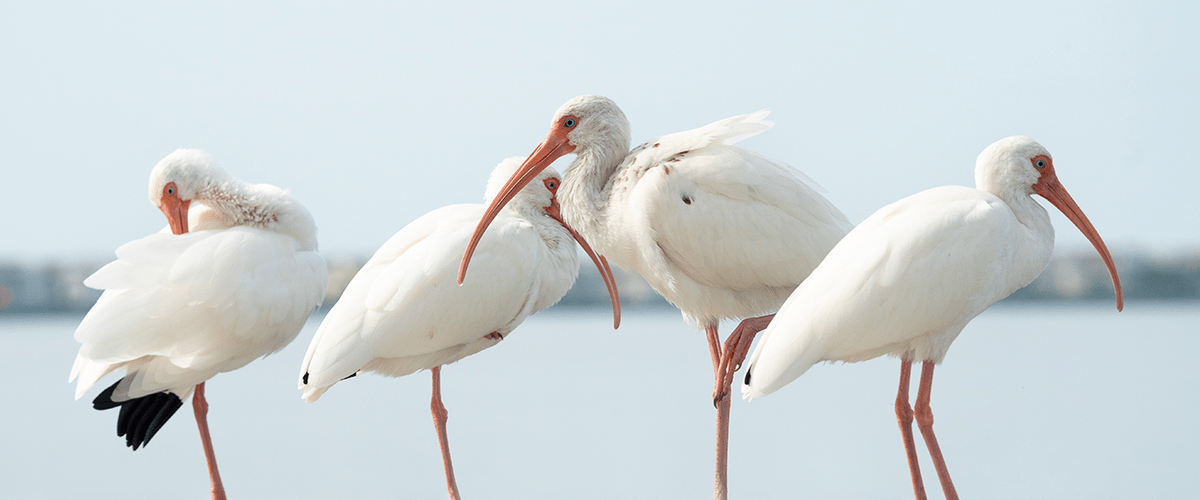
403, 312
181, 306
909, 278
719, 231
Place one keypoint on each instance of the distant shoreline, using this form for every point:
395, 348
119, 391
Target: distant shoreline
1071, 277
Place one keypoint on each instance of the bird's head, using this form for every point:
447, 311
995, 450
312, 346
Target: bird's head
587, 122
536, 197
1018, 166
180, 178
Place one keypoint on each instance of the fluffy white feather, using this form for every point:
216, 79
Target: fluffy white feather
404, 311
178, 309
908, 279
720, 231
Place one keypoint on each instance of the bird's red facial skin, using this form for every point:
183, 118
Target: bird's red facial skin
1052, 190
1047, 164
557, 138
175, 208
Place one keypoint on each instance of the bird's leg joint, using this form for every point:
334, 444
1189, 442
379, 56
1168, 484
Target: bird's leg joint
923, 413
904, 412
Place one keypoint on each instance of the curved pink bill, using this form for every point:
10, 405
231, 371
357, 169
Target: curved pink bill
552, 148
610, 281
1051, 189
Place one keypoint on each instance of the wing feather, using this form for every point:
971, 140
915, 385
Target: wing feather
404, 311
885, 286
732, 219
206, 302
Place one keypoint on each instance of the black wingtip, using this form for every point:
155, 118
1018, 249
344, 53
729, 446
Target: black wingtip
304, 379
104, 400
140, 418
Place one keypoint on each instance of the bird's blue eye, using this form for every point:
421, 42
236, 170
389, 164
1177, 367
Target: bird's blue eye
1041, 164
569, 123
170, 190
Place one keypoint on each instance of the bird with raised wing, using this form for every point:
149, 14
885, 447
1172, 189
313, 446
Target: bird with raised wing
403, 312
232, 278
909, 278
720, 231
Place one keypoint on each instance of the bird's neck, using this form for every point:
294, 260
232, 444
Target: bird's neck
587, 186
1035, 245
262, 206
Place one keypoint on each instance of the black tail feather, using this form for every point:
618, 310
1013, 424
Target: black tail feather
140, 418
160, 417
104, 400
144, 412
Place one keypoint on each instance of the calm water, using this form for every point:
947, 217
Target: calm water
1078, 402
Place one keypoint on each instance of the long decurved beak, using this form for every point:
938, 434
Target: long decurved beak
1051, 189
601, 263
552, 148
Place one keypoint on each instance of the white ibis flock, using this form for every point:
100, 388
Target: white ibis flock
721, 232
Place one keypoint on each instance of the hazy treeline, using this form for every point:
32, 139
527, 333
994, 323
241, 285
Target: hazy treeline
1075, 276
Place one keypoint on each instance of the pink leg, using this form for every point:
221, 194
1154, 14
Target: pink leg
721, 488
714, 346
722, 474
736, 348
904, 416
439, 422
924, 416
200, 407
726, 362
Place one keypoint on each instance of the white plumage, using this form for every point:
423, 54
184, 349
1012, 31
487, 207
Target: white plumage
908, 279
719, 231
912, 275
404, 312
178, 309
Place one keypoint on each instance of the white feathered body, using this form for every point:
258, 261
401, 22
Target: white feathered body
178, 309
719, 231
404, 310
905, 282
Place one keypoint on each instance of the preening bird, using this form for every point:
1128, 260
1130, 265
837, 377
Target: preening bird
720, 231
908, 279
233, 278
403, 311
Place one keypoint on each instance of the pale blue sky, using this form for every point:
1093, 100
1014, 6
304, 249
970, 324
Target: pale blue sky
375, 113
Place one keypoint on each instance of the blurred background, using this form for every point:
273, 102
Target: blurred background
373, 113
